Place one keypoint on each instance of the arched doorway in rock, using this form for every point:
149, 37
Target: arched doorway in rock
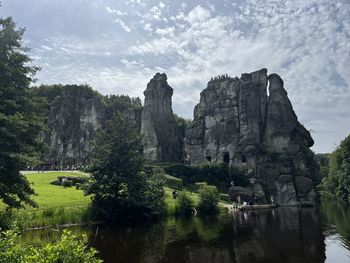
208, 158
226, 157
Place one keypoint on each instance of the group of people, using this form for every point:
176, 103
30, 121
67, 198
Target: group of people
253, 201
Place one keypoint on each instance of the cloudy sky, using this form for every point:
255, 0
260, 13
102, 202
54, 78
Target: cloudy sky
117, 46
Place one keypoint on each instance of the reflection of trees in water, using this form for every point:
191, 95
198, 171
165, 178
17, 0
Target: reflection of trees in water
280, 235
175, 240
337, 216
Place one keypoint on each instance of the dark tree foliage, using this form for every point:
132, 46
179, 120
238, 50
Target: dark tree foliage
120, 103
182, 124
322, 168
219, 175
120, 192
337, 183
208, 199
20, 121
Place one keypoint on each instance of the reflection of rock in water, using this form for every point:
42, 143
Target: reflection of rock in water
280, 235
288, 235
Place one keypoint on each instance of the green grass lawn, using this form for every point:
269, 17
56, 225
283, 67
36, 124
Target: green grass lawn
49, 195
57, 205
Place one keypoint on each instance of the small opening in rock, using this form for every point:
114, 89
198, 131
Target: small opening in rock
226, 157
244, 158
208, 158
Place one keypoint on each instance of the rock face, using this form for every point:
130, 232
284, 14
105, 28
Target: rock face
238, 123
74, 114
162, 141
73, 119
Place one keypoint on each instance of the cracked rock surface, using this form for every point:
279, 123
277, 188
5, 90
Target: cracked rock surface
249, 122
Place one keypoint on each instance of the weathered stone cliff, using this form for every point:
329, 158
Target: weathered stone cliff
238, 123
73, 115
162, 141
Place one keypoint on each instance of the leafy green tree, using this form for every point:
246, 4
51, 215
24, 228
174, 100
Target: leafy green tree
208, 199
20, 121
120, 191
69, 249
337, 183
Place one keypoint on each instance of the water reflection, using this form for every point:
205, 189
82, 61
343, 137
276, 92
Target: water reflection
336, 224
280, 235
288, 235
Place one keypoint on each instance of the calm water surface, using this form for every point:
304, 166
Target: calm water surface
280, 235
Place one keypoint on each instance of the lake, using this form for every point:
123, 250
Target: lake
285, 234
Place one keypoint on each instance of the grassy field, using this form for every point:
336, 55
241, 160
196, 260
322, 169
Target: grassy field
49, 195
57, 205
60, 205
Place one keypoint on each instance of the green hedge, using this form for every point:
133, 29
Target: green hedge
172, 182
219, 175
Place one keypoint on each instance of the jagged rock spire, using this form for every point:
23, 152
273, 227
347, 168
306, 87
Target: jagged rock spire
162, 142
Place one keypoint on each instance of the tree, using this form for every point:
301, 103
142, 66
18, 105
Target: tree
120, 191
337, 182
20, 122
184, 203
208, 199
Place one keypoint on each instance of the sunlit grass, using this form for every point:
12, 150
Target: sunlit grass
49, 195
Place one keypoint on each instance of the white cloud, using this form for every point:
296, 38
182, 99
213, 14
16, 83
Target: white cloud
147, 27
155, 12
165, 31
115, 11
198, 15
183, 6
122, 24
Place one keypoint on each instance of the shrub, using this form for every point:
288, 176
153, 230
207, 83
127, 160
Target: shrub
69, 249
169, 181
225, 198
172, 182
6, 219
219, 175
199, 185
186, 173
184, 203
68, 181
208, 199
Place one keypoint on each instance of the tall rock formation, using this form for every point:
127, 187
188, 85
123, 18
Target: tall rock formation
162, 141
73, 116
238, 123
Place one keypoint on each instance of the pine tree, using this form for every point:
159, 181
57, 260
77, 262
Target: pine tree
119, 189
20, 122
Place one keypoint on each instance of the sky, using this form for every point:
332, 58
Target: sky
117, 46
